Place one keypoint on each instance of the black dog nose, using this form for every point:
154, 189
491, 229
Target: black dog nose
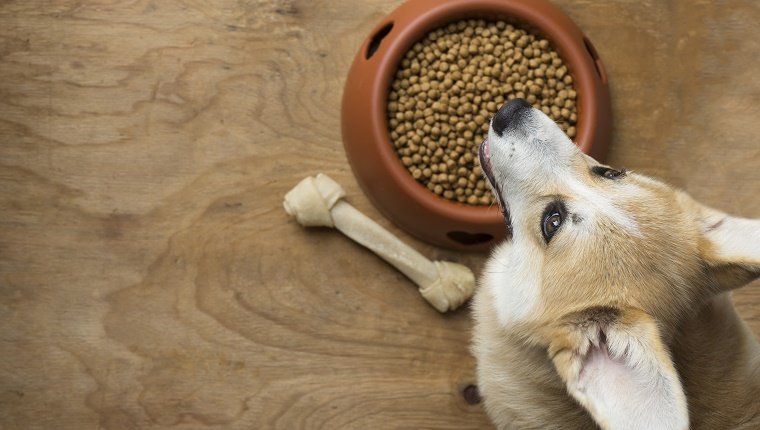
509, 115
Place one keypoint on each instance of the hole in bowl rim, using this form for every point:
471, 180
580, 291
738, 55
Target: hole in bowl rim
539, 17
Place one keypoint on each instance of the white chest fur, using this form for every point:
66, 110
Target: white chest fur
512, 277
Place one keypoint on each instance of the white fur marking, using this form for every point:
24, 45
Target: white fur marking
601, 203
512, 276
737, 239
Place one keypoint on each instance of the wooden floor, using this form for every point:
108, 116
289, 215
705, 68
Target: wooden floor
149, 277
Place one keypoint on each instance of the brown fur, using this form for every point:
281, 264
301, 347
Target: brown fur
666, 282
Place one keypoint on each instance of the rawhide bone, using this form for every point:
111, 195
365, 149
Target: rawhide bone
317, 202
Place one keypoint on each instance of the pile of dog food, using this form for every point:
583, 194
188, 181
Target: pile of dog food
449, 84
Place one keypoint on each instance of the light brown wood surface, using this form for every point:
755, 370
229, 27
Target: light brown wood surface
149, 277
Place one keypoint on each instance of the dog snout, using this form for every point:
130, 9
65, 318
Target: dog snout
510, 115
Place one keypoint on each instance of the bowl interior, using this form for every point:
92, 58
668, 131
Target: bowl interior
417, 32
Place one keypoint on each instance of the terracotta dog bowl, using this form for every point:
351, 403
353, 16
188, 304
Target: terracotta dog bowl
366, 138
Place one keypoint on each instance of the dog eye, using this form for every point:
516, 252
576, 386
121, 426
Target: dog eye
553, 216
607, 172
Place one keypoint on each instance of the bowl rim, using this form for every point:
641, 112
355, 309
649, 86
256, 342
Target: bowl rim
537, 16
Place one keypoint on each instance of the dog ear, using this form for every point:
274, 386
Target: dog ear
729, 246
617, 367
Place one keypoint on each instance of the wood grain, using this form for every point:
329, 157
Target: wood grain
149, 277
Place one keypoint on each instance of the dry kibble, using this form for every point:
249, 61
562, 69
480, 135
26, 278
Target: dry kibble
450, 83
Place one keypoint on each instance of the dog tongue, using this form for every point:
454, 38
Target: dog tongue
484, 154
485, 150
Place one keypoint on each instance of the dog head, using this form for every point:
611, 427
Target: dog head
600, 265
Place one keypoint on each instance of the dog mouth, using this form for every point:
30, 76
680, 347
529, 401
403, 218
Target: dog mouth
484, 155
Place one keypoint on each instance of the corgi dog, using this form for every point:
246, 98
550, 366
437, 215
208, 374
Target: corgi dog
608, 306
